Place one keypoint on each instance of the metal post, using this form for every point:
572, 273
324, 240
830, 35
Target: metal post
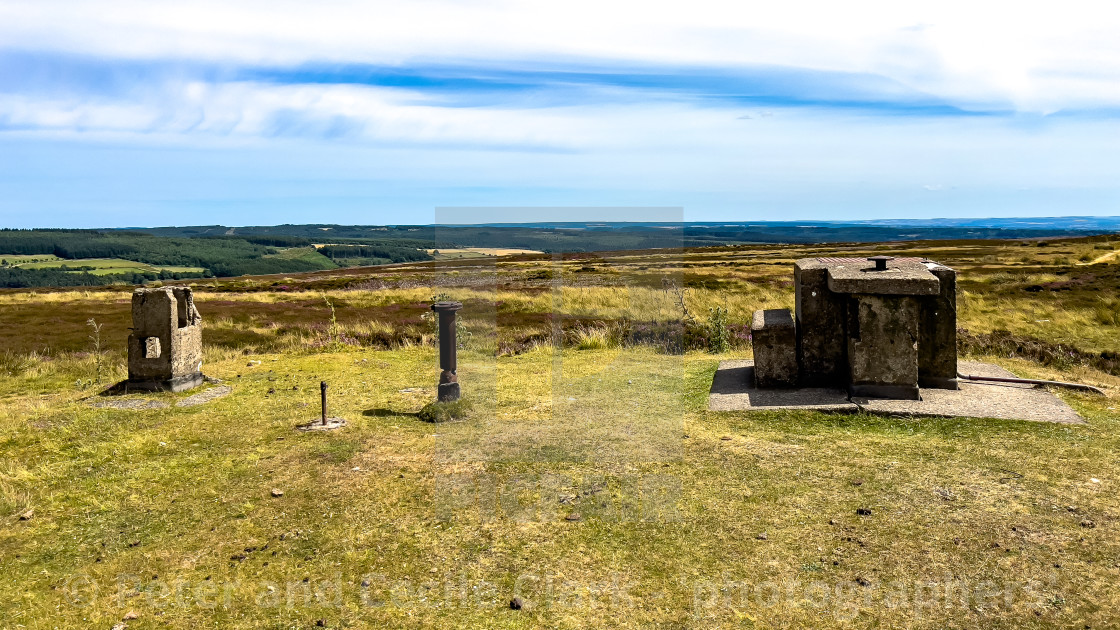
881, 262
448, 378
323, 392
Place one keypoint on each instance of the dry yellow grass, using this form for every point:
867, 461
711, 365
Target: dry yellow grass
169, 512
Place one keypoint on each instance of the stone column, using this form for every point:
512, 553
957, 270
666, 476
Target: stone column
820, 326
448, 379
937, 343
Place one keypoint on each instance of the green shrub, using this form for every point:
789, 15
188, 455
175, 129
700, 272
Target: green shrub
445, 411
719, 339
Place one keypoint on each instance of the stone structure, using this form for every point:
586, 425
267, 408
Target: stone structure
165, 346
881, 327
448, 376
774, 338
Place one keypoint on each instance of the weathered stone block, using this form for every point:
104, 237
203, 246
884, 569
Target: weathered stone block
901, 277
774, 341
165, 347
937, 333
820, 326
883, 346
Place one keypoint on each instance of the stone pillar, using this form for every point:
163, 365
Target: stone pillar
937, 334
165, 346
448, 378
820, 326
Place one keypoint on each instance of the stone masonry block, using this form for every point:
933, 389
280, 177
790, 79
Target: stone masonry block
820, 325
774, 340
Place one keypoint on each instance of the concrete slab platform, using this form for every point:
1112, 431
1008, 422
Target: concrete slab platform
1007, 401
733, 390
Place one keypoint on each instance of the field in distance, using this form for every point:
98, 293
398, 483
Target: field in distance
96, 266
477, 252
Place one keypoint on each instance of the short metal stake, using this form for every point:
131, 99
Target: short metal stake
323, 391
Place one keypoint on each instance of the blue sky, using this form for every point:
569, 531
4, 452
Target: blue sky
119, 113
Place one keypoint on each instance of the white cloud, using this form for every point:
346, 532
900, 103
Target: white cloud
193, 138
962, 50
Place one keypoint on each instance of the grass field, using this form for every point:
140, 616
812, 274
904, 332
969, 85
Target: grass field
20, 259
100, 266
588, 478
476, 252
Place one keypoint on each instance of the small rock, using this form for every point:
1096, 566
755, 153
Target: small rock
322, 623
862, 581
120, 625
725, 437
26, 516
574, 516
863, 511
516, 603
1071, 508
762, 536
253, 363
130, 615
857, 482
1087, 524
238, 557
276, 492
831, 521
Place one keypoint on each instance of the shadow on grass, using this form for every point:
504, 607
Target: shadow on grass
387, 413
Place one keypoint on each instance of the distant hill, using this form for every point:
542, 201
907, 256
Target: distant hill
582, 237
31, 258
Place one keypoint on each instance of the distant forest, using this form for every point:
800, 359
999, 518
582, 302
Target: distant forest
223, 251
219, 256
588, 237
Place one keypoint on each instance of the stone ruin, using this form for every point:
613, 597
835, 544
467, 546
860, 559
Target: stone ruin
165, 346
880, 327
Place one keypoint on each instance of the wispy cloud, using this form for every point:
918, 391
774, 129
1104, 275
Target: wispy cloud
810, 108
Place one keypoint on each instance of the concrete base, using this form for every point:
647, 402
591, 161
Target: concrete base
938, 382
177, 384
897, 392
733, 390
448, 392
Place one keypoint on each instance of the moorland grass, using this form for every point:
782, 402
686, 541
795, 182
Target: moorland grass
591, 482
